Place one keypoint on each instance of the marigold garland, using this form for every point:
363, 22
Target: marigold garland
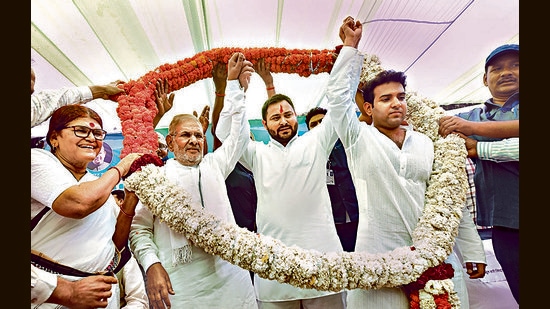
137, 108
433, 238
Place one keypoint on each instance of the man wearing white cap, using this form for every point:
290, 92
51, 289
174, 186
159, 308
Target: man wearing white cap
162, 151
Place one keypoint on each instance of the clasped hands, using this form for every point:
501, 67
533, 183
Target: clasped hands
239, 68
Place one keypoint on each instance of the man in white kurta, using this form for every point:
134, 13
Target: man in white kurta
390, 182
199, 279
293, 201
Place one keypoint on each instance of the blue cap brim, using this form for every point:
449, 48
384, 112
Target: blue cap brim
499, 50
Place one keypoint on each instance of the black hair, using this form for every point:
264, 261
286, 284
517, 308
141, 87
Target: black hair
66, 114
278, 97
118, 193
380, 79
314, 111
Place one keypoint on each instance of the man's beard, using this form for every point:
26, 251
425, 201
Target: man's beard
287, 137
189, 160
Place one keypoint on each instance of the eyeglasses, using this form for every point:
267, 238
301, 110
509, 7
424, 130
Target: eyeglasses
84, 132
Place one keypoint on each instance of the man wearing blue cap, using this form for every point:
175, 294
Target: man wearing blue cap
492, 139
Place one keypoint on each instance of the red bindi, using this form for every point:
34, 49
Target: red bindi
281, 108
92, 124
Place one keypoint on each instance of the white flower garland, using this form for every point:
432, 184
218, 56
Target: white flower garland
433, 237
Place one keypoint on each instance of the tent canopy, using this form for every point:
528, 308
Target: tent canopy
441, 45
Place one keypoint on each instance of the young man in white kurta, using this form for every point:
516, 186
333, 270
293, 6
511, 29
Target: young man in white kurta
390, 182
199, 279
293, 202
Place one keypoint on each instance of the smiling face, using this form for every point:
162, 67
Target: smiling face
186, 140
76, 151
281, 122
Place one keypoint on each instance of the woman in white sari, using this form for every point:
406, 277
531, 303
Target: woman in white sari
74, 231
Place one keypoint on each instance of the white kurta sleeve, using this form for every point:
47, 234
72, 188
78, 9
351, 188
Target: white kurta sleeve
233, 94
45, 102
142, 239
133, 286
468, 241
43, 284
341, 90
233, 129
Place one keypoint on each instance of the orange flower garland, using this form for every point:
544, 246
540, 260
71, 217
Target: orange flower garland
137, 108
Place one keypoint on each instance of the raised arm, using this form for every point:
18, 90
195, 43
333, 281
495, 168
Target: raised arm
204, 119
233, 120
263, 70
224, 122
106, 91
45, 102
219, 76
163, 100
343, 82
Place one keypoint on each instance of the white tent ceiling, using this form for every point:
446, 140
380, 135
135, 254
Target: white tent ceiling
440, 44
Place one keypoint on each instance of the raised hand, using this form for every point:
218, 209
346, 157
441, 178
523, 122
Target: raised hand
234, 66
219, 76
263, 70
239, 68
204, 118
164, 102
107, 92
125, 163
246, 73
351, 31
